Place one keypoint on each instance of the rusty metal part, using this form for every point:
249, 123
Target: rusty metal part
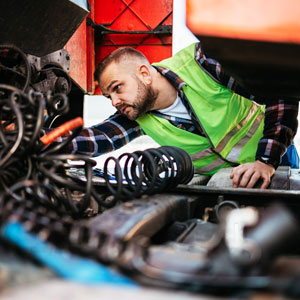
60, 58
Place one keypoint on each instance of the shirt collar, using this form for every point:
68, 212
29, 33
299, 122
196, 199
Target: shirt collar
174, 79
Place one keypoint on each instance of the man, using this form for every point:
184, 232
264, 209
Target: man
189, 102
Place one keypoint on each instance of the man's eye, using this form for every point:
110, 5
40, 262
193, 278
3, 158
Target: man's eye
117, 87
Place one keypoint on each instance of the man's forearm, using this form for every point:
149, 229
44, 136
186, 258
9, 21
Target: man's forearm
107, 136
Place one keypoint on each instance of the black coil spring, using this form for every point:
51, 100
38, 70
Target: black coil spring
147, 172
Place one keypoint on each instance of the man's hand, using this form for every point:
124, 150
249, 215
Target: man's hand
246, 175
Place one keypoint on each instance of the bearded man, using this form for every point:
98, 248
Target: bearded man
188, 101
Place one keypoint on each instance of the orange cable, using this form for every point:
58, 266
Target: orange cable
62, 129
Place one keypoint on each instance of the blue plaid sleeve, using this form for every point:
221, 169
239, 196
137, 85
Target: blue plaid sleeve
110, 135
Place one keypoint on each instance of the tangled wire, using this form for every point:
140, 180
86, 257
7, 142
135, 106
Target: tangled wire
24, 157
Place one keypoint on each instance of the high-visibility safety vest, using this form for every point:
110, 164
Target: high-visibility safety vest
233, 124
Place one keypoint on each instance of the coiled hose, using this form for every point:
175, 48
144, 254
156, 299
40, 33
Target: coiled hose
147, 172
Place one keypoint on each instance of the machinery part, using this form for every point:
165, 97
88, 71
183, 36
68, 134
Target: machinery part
43, 74
14, 67
223, 208
240, 248
56, 104
23, 113
214, 269
276, 219
146, 217
186, 263
254, 240
30, 26
262, 55
60, 58
23, 157
24, 73
52, 79
150, 171
101, 29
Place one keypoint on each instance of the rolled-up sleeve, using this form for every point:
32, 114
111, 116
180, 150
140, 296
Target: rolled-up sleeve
109, 135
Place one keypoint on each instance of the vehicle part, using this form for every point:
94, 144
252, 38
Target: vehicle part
150, 171
262, 55
36, 33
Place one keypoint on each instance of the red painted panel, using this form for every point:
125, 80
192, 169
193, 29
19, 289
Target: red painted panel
151, 12
90, 48
81, 48
77, 49
108, 10
134, 15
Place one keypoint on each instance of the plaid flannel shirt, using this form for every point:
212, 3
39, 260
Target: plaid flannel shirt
279, 129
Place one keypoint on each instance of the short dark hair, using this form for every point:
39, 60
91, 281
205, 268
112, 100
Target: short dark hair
117, 56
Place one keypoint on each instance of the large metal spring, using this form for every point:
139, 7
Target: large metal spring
147, 172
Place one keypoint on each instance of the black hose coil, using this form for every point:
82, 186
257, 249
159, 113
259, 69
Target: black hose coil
147, 172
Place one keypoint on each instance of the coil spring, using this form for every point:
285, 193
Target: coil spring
147, 172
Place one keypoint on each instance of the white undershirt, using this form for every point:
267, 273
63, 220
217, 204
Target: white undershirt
177, 109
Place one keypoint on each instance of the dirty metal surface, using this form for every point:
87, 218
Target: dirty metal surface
40, 28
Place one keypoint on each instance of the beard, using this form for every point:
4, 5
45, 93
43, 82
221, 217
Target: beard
143, 102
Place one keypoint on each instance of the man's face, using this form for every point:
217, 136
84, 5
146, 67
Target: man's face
131, 97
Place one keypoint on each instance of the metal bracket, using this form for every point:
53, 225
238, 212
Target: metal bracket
101, 29
60, 58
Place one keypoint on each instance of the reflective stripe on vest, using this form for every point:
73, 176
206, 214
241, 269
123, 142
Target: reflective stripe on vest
236, 150
212, 166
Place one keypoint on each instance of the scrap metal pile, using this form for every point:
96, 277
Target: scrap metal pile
183, 239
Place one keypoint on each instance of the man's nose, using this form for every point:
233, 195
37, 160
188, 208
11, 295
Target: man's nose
115, 100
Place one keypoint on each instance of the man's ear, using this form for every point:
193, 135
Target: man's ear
144, 73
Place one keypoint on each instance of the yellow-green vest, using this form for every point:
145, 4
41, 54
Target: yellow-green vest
233, 124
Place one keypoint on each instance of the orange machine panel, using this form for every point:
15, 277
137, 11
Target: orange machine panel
82, 51
77, 48
267, 20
